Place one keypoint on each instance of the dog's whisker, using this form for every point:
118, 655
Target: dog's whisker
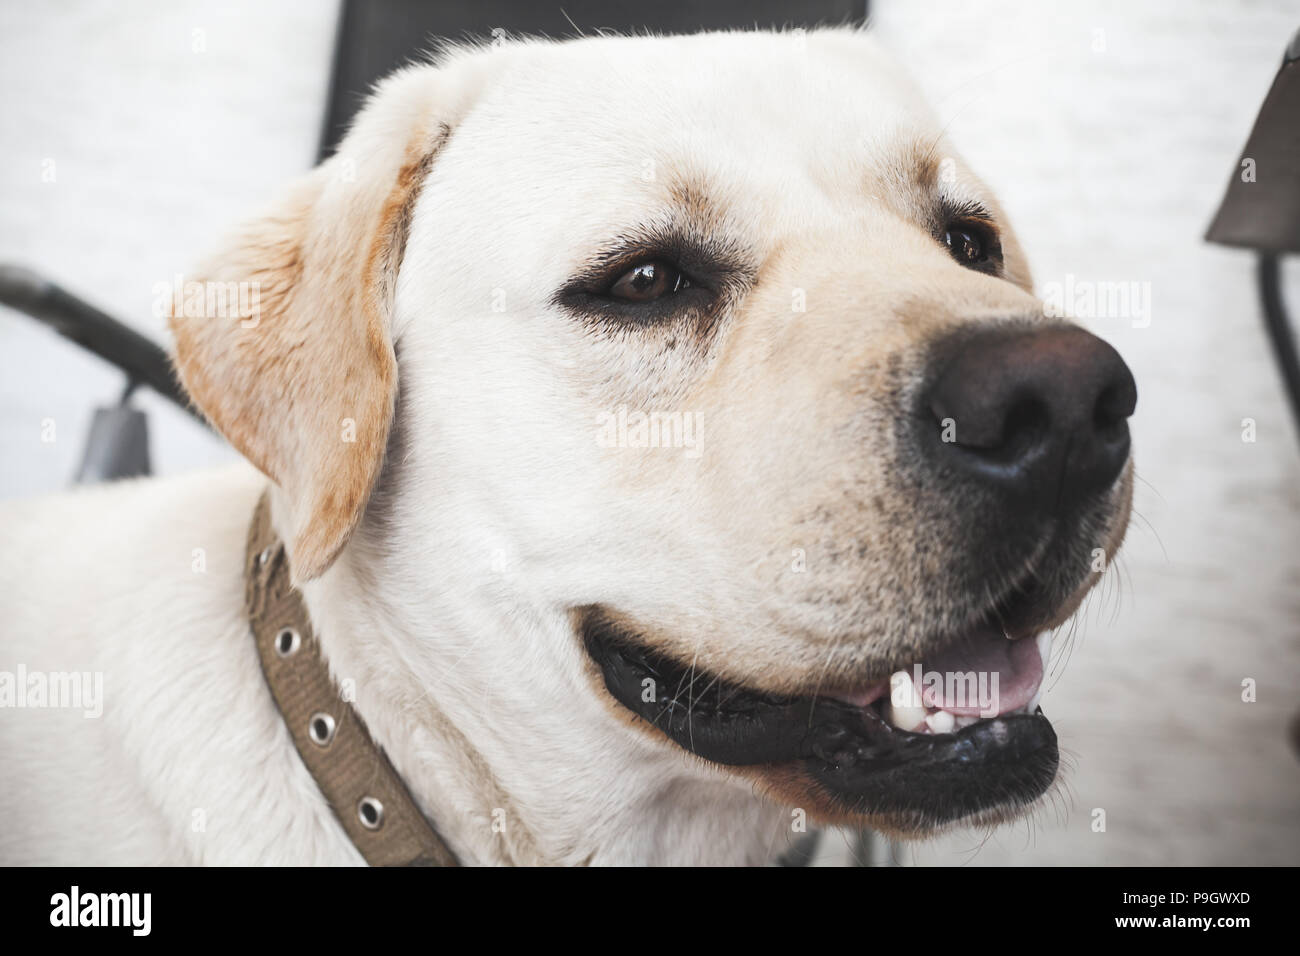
820, 677
690, 699
1147, 525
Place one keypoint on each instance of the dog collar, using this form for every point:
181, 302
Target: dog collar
352, 771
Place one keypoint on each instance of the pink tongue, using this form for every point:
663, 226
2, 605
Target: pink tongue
1015, 664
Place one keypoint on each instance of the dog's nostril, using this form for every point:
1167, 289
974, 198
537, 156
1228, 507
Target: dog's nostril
1112, 410
999, 438
1026, 424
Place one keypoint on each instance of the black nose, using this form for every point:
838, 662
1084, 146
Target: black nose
1038, 414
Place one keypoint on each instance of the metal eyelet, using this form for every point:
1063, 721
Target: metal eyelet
263, 556
287, 642
321, 729
371, 813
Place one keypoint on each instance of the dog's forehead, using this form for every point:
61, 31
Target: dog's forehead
617, 120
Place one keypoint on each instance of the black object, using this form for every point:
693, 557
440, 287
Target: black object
143, 360
1261, 210
376, 36
1262, 207
1278, 326
117, 447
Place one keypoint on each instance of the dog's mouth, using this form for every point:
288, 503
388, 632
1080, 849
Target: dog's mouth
957, 735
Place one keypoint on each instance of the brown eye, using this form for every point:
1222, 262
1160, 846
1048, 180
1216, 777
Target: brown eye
647, 281
969, 245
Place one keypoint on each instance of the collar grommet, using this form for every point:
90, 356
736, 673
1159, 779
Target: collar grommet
371, 813
321, 729
287, 642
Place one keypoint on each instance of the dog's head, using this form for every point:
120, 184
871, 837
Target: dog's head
713, 350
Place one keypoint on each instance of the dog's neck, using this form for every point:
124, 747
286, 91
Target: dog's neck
483, 708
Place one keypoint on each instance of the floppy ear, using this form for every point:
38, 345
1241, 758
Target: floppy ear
301, 378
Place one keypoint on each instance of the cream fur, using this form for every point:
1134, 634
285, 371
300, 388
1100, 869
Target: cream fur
447, 596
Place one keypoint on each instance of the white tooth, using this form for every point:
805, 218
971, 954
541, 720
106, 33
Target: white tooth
903, 692
965, 721
941, 722
899, 709
904, 718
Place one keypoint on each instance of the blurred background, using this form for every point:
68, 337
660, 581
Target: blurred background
133, 134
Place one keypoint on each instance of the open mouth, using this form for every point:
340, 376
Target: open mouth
957, 735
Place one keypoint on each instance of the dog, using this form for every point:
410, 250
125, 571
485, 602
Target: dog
647, 420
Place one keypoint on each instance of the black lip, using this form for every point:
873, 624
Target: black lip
864, 764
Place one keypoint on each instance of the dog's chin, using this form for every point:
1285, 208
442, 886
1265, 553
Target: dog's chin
864, 757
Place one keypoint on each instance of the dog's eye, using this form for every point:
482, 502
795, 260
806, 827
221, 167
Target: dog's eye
648, 281
969, 244
639, 283
974, 244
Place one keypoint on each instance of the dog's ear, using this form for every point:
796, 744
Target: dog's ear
302, 378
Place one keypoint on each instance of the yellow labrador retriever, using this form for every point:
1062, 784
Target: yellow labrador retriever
666, 444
